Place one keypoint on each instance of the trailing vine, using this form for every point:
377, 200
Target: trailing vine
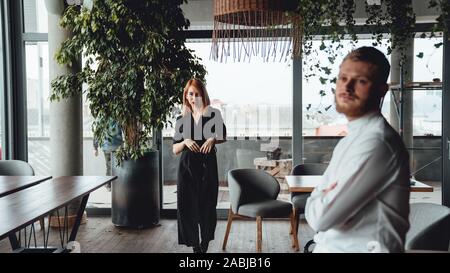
331, 22
442, 7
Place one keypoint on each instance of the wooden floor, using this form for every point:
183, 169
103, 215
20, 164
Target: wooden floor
99, 235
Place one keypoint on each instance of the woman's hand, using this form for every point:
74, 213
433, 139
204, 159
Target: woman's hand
208, 145
192, 145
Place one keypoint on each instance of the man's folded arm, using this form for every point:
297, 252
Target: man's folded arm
363, 184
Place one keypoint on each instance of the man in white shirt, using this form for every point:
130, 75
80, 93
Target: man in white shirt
362, 204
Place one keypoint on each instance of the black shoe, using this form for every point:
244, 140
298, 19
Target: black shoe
197, 249
204, 246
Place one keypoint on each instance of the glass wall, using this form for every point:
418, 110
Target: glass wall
322, 125
256, 103
319, 114
428, 103
427, 117
93, 163
2, 85
35, 16
37, 84
37, 87
320, 117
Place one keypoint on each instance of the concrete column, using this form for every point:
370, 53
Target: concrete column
66, 127
408, 69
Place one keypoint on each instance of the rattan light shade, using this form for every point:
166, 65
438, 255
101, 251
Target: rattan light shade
246, 28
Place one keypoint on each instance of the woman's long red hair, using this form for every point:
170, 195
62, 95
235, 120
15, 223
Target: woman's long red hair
197, 84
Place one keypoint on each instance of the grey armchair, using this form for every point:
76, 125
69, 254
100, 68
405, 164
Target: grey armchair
15, 168
253, 194
430, 227
298, 199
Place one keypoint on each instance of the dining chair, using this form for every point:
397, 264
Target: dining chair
17, 168
253, 195
430, 227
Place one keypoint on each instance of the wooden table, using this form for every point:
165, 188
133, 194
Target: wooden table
12, 184
307, 183
22, 208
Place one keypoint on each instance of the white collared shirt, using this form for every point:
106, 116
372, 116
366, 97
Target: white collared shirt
368, 210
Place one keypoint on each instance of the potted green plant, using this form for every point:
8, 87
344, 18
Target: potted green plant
136, 64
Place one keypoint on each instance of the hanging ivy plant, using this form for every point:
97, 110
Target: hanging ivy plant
331, 22
442, 7
400, 21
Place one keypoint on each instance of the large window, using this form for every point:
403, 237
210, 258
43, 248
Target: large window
428, 103
255, 99
37, 87
37, 84
256, 102
322, 125
319, 113
320, 117
94, 165
35, 16
427, 117
2, 86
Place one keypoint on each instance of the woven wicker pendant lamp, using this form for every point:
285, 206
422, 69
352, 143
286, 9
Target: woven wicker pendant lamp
246, 28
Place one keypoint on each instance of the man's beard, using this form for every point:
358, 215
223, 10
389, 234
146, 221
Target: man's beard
357, 110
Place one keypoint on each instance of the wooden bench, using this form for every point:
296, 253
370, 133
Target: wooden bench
22, 208
12, 184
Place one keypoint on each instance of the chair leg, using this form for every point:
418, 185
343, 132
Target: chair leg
291, 227
258, 233
227, 232
294, 224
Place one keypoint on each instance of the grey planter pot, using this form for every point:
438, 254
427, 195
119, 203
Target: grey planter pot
135, 192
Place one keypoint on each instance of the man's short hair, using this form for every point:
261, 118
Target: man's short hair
373, 56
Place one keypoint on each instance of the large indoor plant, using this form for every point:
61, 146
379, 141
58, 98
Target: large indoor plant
135, 67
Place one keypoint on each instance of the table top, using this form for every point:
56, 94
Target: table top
12, 184
307, 183
22, 208
303, 183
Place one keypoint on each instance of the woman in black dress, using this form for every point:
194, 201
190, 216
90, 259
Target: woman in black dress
197, 131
